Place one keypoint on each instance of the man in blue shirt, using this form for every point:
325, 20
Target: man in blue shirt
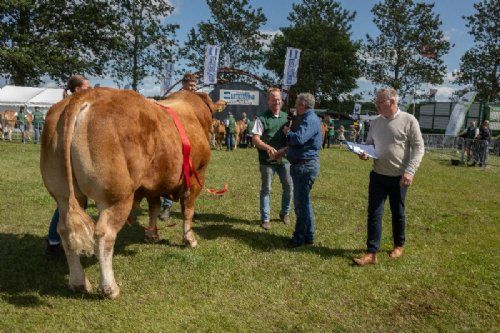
304, 141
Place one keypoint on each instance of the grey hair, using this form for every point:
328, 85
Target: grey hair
307, 99
388, 93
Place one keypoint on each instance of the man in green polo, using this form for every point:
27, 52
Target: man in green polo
330, 131
268, 137
230, 130
38, 122
21, 122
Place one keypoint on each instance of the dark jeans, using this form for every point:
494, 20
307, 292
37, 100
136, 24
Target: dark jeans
328, 141
380, 187
38, 131
230, 141
303, 176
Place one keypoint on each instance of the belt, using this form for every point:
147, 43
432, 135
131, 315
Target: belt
302, 162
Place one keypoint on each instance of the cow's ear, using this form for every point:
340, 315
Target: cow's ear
217, 107
220, 105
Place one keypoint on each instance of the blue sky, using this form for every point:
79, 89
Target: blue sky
190, 12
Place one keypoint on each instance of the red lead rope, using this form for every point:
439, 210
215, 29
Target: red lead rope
187, 164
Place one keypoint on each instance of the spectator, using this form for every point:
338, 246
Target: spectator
400, 147
230, 123
330, 131
340, 134
21, 122
484, 137
38, 122
268, 137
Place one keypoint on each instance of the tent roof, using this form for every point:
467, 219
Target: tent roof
29, 96
46, 98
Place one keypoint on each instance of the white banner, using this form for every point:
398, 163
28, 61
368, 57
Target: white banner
357, 108
211, 64
167, 80
406, 102
240, 97
457, 116
291, 66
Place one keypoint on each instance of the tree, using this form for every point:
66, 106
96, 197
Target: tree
479, 65
235, 27
52, 38
146, 41
409, 49
328, 63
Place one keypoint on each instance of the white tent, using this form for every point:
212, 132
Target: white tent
14, 96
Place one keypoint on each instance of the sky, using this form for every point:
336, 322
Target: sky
188, 13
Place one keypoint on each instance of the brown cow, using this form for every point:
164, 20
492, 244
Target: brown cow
107, 145
219, 130
9, 120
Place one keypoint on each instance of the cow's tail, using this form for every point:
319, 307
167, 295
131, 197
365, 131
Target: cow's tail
79, 224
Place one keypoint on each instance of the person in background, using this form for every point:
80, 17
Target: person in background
54, 249
341, 134
483, 137
189, 84
230, 123
269, 138
330, 131
400, 148
38, 122
21, 122
303, 145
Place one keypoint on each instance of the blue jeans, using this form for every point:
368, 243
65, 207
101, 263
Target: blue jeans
303, 176
229, 141
380, 187
167, 203
53, 236
38, 130
266, 173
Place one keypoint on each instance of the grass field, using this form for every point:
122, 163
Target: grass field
242, 279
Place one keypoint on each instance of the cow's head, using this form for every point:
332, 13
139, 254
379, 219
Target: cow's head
218, 106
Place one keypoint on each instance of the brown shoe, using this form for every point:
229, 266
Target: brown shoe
396, 252
285, 218
367, 259
265, 225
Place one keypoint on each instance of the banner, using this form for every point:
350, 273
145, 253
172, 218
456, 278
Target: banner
167, 80
356, 111
457, 116
495, 117
406, 102
211, 64
240, 97
291, 66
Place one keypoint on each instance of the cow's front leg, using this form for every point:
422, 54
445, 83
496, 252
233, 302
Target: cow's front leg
111, 220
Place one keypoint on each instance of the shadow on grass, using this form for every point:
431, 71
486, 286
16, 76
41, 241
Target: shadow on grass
26, 273
215, 218
266, 241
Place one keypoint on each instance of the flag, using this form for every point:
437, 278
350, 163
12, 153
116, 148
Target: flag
291, 66
167, 80
457, 117
211, 64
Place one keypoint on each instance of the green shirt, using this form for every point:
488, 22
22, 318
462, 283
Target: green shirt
232, 125
272, 134
38, 117
20, 118
331, 127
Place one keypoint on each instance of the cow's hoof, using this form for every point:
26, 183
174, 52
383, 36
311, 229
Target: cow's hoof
191, 242
109, 291
85, 288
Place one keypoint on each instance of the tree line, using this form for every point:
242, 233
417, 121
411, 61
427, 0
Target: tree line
130, 40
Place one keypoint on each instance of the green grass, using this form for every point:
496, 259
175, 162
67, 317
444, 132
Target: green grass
241, 279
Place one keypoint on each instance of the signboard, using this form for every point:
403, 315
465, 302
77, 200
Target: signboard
240, 97
457, 117
211, 64
495, 117
291, 66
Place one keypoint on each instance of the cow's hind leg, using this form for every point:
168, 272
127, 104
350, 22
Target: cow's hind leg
187, 206
77, 279
111, 220
151, 232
